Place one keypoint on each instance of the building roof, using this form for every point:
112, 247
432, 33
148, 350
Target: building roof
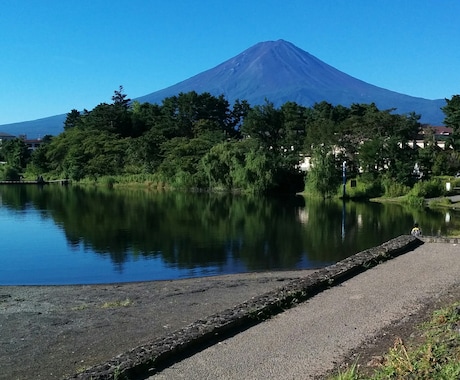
4, 134
440, 130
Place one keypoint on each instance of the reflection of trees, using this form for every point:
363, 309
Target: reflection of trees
187, 230
194, 230
367, 224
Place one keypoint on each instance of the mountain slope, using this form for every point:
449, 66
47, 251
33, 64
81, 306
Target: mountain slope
280, 72
52, 125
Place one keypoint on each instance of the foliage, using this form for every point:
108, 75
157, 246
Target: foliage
15, 152
414, 200
239, 165
365, 188
324, 177
452, 119
393, 189
446, 162
9, 173
199, 140
428, 189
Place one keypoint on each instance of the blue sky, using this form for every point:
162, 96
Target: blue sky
57, 55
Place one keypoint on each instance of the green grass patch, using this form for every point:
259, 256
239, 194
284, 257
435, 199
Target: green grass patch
436, 357
114, 304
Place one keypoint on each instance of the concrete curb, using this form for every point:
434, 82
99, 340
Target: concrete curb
439, 239
145, 360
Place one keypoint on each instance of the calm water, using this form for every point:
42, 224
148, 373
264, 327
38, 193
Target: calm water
71, 235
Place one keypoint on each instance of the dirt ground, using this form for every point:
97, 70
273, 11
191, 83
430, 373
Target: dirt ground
51, 332
370, 354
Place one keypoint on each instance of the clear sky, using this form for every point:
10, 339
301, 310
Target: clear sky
56, 55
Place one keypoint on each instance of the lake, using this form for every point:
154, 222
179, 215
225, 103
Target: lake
58, 235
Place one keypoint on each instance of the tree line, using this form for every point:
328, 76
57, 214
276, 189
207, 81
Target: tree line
200, 141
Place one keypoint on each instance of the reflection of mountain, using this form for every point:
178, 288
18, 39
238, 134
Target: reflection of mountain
202, 230
277, 71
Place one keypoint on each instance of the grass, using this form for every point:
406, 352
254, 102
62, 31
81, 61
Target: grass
113, 304
435, 357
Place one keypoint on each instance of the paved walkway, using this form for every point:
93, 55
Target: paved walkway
306, 341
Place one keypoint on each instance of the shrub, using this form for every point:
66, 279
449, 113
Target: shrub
428, 189
364, 189
414, 200
9, 173
394, 189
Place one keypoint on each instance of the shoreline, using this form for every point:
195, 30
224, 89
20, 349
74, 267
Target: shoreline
56, 331
53, 332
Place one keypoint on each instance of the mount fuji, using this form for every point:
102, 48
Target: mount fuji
279, 72
276, 71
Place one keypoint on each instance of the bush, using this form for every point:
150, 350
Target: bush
415, 201
364, 189
9, 173
109, 181
394, 189
428, 189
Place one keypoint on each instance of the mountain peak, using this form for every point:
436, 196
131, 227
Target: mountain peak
279, 71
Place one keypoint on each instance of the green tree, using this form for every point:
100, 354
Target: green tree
38, 161
78, 153
264, 124
321, 126
181, 114
324, 176
15, 153
120, 100
72, 119
144, 117
452, 120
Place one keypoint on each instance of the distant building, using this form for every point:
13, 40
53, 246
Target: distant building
438, 134
32, 144
6, 137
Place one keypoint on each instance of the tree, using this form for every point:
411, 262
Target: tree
371, 157
324, 176
15, 153
144, 117
264, 124
181, 113
293, 131
72, 119
38, 162
120, 100
78, 153
452, 119
321, 125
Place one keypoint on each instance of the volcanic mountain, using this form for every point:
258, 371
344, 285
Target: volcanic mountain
279, 72
276, 71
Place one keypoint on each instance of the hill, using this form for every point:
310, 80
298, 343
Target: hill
52, 125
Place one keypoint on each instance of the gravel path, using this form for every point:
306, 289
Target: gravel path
309, 340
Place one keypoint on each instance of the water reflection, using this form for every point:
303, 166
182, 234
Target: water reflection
185, 235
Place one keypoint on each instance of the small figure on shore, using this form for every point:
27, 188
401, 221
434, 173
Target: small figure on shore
416, 230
